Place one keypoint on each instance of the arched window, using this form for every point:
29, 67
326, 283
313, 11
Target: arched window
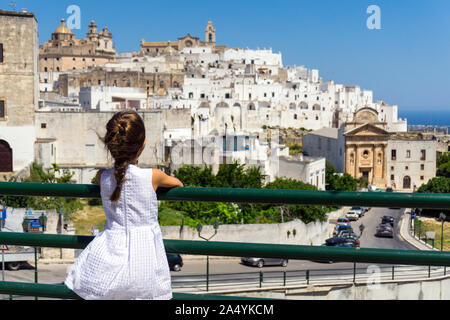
6, 157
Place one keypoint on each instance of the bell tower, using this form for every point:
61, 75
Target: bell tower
210, 33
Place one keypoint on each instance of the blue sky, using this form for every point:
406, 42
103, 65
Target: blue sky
406, 62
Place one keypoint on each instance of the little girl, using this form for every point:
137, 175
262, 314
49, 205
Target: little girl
127, 261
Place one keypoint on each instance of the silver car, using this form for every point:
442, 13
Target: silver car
261, 262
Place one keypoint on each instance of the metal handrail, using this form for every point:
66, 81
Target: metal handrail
239, 195
60, 291
314, 253
242, 249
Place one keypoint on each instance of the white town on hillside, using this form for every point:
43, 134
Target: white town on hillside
203, 103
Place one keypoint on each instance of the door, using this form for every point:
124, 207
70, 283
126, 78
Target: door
365, 175
6, 159
406, 182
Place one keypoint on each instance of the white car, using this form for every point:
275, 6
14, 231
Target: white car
354, 213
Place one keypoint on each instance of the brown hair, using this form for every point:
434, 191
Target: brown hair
125, 135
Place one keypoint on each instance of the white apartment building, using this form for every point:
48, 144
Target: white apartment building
112, 98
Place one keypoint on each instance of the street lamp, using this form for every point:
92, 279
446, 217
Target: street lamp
199, 230
26, 225
361, 229
443, 217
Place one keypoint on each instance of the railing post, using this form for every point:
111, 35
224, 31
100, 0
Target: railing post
354, 272
307, 276
429, 271
260, 279
392, 272
207, 273
35, 268
284, 278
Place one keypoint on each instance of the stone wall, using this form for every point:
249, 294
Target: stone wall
313, 233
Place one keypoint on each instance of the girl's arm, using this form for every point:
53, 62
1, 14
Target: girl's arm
160, 179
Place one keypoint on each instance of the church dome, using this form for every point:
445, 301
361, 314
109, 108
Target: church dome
63, 28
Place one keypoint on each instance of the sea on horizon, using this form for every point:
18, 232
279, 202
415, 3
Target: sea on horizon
426, 117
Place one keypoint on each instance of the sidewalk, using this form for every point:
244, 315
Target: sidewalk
405, 233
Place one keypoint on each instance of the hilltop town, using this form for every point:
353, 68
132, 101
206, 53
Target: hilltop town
203, 103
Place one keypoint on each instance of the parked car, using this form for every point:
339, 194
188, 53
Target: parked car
372, 188
348, 235
342, 242
385, 230
354, 213
389, 189
261, 262
387, 220
175, 261
341, 227
343, 220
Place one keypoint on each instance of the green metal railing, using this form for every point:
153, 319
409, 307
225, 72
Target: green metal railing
314, 253
338, 198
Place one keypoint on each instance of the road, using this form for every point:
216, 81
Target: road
57, 273
368, 240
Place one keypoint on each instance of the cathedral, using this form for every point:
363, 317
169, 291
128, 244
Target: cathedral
161, 48
64, 52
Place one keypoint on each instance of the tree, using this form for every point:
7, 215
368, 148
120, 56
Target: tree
306, 213
52, 175
435, 185
443, 165
336, 182
229, 176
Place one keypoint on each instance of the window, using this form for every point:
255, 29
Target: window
2, 109
408, 154
406, 168
394, 154
273, 94
392, 177
392, 168
422, 167
295, 117
422, 178
423, 154
43, 126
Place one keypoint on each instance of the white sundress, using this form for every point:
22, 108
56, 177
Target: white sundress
127, 261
